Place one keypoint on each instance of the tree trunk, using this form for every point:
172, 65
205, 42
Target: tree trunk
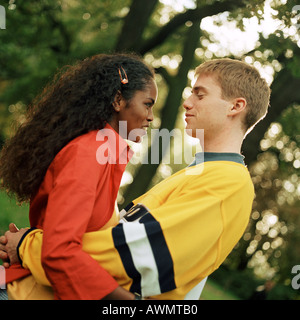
134, 25
169, 114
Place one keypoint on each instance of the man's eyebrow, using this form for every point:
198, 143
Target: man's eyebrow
199, 88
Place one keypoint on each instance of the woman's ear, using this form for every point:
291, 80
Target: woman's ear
119, 102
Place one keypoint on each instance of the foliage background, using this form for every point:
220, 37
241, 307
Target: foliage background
175, 36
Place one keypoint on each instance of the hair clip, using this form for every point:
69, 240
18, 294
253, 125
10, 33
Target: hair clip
124, 79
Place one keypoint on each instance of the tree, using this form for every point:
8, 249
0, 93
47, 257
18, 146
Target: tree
282, 97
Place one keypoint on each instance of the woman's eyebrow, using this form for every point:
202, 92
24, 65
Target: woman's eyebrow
152, 100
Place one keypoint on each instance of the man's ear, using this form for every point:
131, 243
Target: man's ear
119, 102
238, 105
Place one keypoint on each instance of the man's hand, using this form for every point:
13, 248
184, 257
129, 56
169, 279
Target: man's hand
3, 254
9, 243
3, 241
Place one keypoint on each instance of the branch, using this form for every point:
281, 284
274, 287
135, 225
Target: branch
165, 74
134, 24
193, 15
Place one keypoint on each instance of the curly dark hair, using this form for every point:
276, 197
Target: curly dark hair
78, 100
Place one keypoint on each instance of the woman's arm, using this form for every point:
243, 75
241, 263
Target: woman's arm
76, 177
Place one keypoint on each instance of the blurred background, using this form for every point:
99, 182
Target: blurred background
174, 36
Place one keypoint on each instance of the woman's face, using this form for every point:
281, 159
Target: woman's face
133, 117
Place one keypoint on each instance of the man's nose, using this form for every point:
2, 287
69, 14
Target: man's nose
187, 104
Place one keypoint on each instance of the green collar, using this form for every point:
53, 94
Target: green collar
217, 156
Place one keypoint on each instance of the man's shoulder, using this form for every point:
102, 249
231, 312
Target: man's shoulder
221, 178
221, 170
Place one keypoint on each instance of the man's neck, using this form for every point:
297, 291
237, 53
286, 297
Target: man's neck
222, 148
223, 143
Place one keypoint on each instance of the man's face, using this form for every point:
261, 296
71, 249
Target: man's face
205, 108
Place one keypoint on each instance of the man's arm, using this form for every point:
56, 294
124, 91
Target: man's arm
3, 253
29, 250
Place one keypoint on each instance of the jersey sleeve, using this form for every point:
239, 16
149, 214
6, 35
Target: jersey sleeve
99, 245
30, 254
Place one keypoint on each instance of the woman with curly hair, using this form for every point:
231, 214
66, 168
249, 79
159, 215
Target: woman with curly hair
53, 162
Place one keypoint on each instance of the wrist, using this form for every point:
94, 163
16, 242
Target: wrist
20, 242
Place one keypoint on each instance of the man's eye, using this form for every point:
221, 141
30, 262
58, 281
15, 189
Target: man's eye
200, 96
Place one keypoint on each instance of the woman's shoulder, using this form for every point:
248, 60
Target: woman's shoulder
83, 145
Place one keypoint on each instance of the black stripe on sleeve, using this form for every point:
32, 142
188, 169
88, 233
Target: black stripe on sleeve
161, 253
126, 257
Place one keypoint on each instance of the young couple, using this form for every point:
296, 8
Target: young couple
169, 239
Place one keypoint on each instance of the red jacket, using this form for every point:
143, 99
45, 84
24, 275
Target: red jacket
76, 196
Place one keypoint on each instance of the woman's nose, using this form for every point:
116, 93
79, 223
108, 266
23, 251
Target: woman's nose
150, 115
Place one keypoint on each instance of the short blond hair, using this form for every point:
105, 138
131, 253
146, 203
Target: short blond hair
239, 79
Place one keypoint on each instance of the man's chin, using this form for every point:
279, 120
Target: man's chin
195, 133
190, 132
